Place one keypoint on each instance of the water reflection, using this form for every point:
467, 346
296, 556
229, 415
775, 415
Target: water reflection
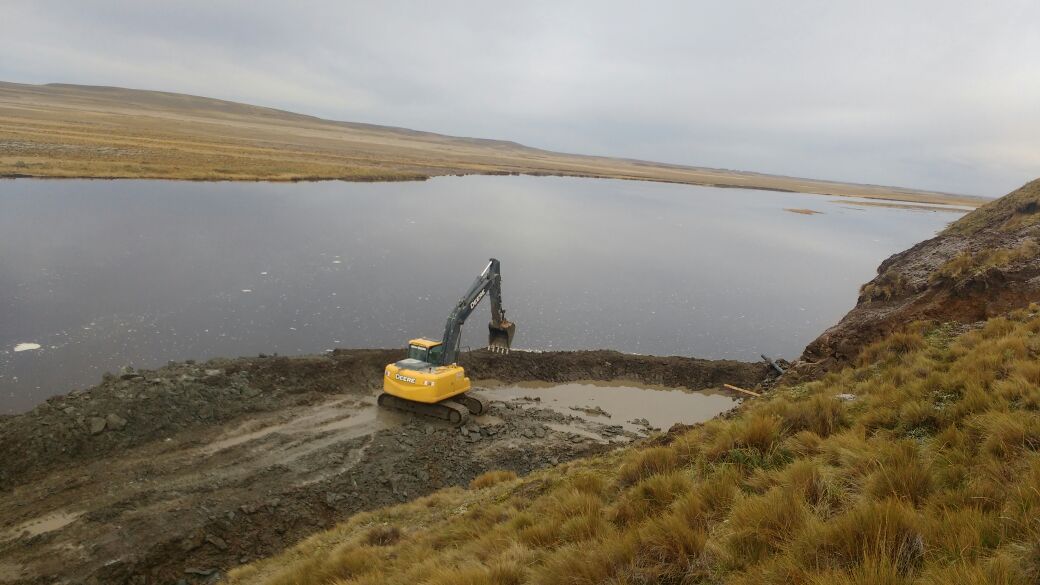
106, 273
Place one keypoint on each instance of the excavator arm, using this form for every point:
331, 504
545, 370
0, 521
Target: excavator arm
500, 330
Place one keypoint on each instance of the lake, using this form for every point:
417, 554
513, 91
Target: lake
95, 275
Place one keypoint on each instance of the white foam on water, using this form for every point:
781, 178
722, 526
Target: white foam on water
26, 346
247, 290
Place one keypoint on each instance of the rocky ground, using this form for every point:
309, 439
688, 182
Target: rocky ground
177, 474
983, 265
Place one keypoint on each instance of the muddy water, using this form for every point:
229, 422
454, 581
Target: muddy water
47, 523
95, 275
635, 408
337, 420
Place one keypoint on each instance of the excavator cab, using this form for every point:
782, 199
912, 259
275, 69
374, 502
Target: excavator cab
426, 350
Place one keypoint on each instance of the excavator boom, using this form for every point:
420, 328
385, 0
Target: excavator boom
500, 330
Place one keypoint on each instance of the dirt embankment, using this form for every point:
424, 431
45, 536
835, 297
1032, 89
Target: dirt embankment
183, 472
984, 264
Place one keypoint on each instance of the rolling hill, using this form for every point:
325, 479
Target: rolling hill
75, 131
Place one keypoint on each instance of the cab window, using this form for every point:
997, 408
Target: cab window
436, 354
417, 352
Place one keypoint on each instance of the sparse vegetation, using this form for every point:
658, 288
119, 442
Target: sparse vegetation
884, 288
1018, 209
491, 478
967, 264
927, 474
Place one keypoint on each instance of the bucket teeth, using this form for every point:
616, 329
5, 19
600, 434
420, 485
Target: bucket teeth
500, 336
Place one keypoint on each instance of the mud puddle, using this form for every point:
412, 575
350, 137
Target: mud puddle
41, 525
635, 408
347, 418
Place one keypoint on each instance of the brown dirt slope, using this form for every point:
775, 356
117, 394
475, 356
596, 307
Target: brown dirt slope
106, 132
984, 264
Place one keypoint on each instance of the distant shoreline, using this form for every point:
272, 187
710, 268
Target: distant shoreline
86, 132
884, 200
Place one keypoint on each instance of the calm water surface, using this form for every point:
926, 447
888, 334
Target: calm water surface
102, 274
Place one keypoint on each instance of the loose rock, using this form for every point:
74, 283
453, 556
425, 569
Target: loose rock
115, 422
97, 425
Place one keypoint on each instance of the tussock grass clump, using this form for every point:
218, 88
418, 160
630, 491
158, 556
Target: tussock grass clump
491, 478
820, 414
649, 496
671, 547
647, 462
760, 525
901, 473
930, 475
895, 346
580, 565
882, 533
382, 535
752, 442
589, 483
1006, 434
344, 562
885, 287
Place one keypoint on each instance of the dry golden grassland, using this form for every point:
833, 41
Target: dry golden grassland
98, 132
1018, 209
919, 465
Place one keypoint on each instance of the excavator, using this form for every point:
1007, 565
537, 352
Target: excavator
429, 381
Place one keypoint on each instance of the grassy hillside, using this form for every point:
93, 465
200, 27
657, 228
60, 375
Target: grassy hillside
1014, 212
106, 132
918, 465
983, 265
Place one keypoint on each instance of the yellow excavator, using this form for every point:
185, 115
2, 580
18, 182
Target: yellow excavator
429, 381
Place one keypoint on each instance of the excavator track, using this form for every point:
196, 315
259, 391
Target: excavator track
475, 404
448, 410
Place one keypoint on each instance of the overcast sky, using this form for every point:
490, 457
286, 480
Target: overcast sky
934, 94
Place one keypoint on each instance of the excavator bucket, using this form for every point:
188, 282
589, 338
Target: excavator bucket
500, 336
